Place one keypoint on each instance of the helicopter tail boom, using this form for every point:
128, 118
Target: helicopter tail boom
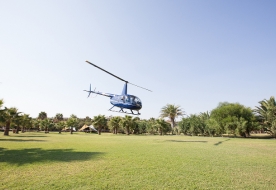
100, 93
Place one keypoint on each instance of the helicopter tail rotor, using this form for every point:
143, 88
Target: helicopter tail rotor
89, 92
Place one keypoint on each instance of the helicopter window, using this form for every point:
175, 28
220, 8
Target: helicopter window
131, 99
137, 100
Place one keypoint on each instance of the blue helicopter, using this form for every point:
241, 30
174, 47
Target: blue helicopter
123, 101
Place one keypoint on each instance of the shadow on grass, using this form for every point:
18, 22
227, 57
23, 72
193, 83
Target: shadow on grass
186, 141
220, 142
22, 140
34, 155
28, 136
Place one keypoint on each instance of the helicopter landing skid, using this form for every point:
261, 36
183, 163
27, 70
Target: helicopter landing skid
122, 111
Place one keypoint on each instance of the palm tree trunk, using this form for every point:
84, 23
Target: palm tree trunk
127, 129
7, 129
160, 131
100, 130
17, 130
172, 125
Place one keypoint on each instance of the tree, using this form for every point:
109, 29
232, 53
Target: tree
151, 126
72, 122
1, 103
184, 125
204, 119
162, 126
9, 116
42, 115
126, 123
60, 125
230, 116
142, 126
17, 123
114, 124
99, 121
46, 124
266, 114
35, 123
43, 125
196, 125
58, 117
1, 112
212, 126
172, 112
134, 128
88, 121
26, 122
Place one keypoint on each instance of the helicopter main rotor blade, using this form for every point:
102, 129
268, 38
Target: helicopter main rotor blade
106, 71
140, 87
116, 76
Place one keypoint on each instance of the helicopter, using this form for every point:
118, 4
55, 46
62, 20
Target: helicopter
122, 101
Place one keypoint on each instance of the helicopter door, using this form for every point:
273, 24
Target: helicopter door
131, 99
123, 99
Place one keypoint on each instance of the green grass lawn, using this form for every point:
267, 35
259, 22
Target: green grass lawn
90, 161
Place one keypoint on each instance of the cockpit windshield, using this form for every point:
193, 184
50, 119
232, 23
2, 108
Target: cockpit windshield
132, 99
136, 100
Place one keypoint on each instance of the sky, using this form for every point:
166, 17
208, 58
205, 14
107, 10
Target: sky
191, 53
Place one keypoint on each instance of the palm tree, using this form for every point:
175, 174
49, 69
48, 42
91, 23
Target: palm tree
114, 124
26, 122
17, 123
267, 110
58, 122
162, 125
99, 121
172, 112
151, 125
135, 125
72, 122
60, 125
126, 123
142, 126
35, 123
266, 113
9, 116
46, 124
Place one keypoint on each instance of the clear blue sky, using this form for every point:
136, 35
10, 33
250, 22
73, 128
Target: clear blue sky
190, 53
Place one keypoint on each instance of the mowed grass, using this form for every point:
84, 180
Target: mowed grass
90, 161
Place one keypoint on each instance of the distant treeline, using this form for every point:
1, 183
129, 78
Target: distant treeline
226, 118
